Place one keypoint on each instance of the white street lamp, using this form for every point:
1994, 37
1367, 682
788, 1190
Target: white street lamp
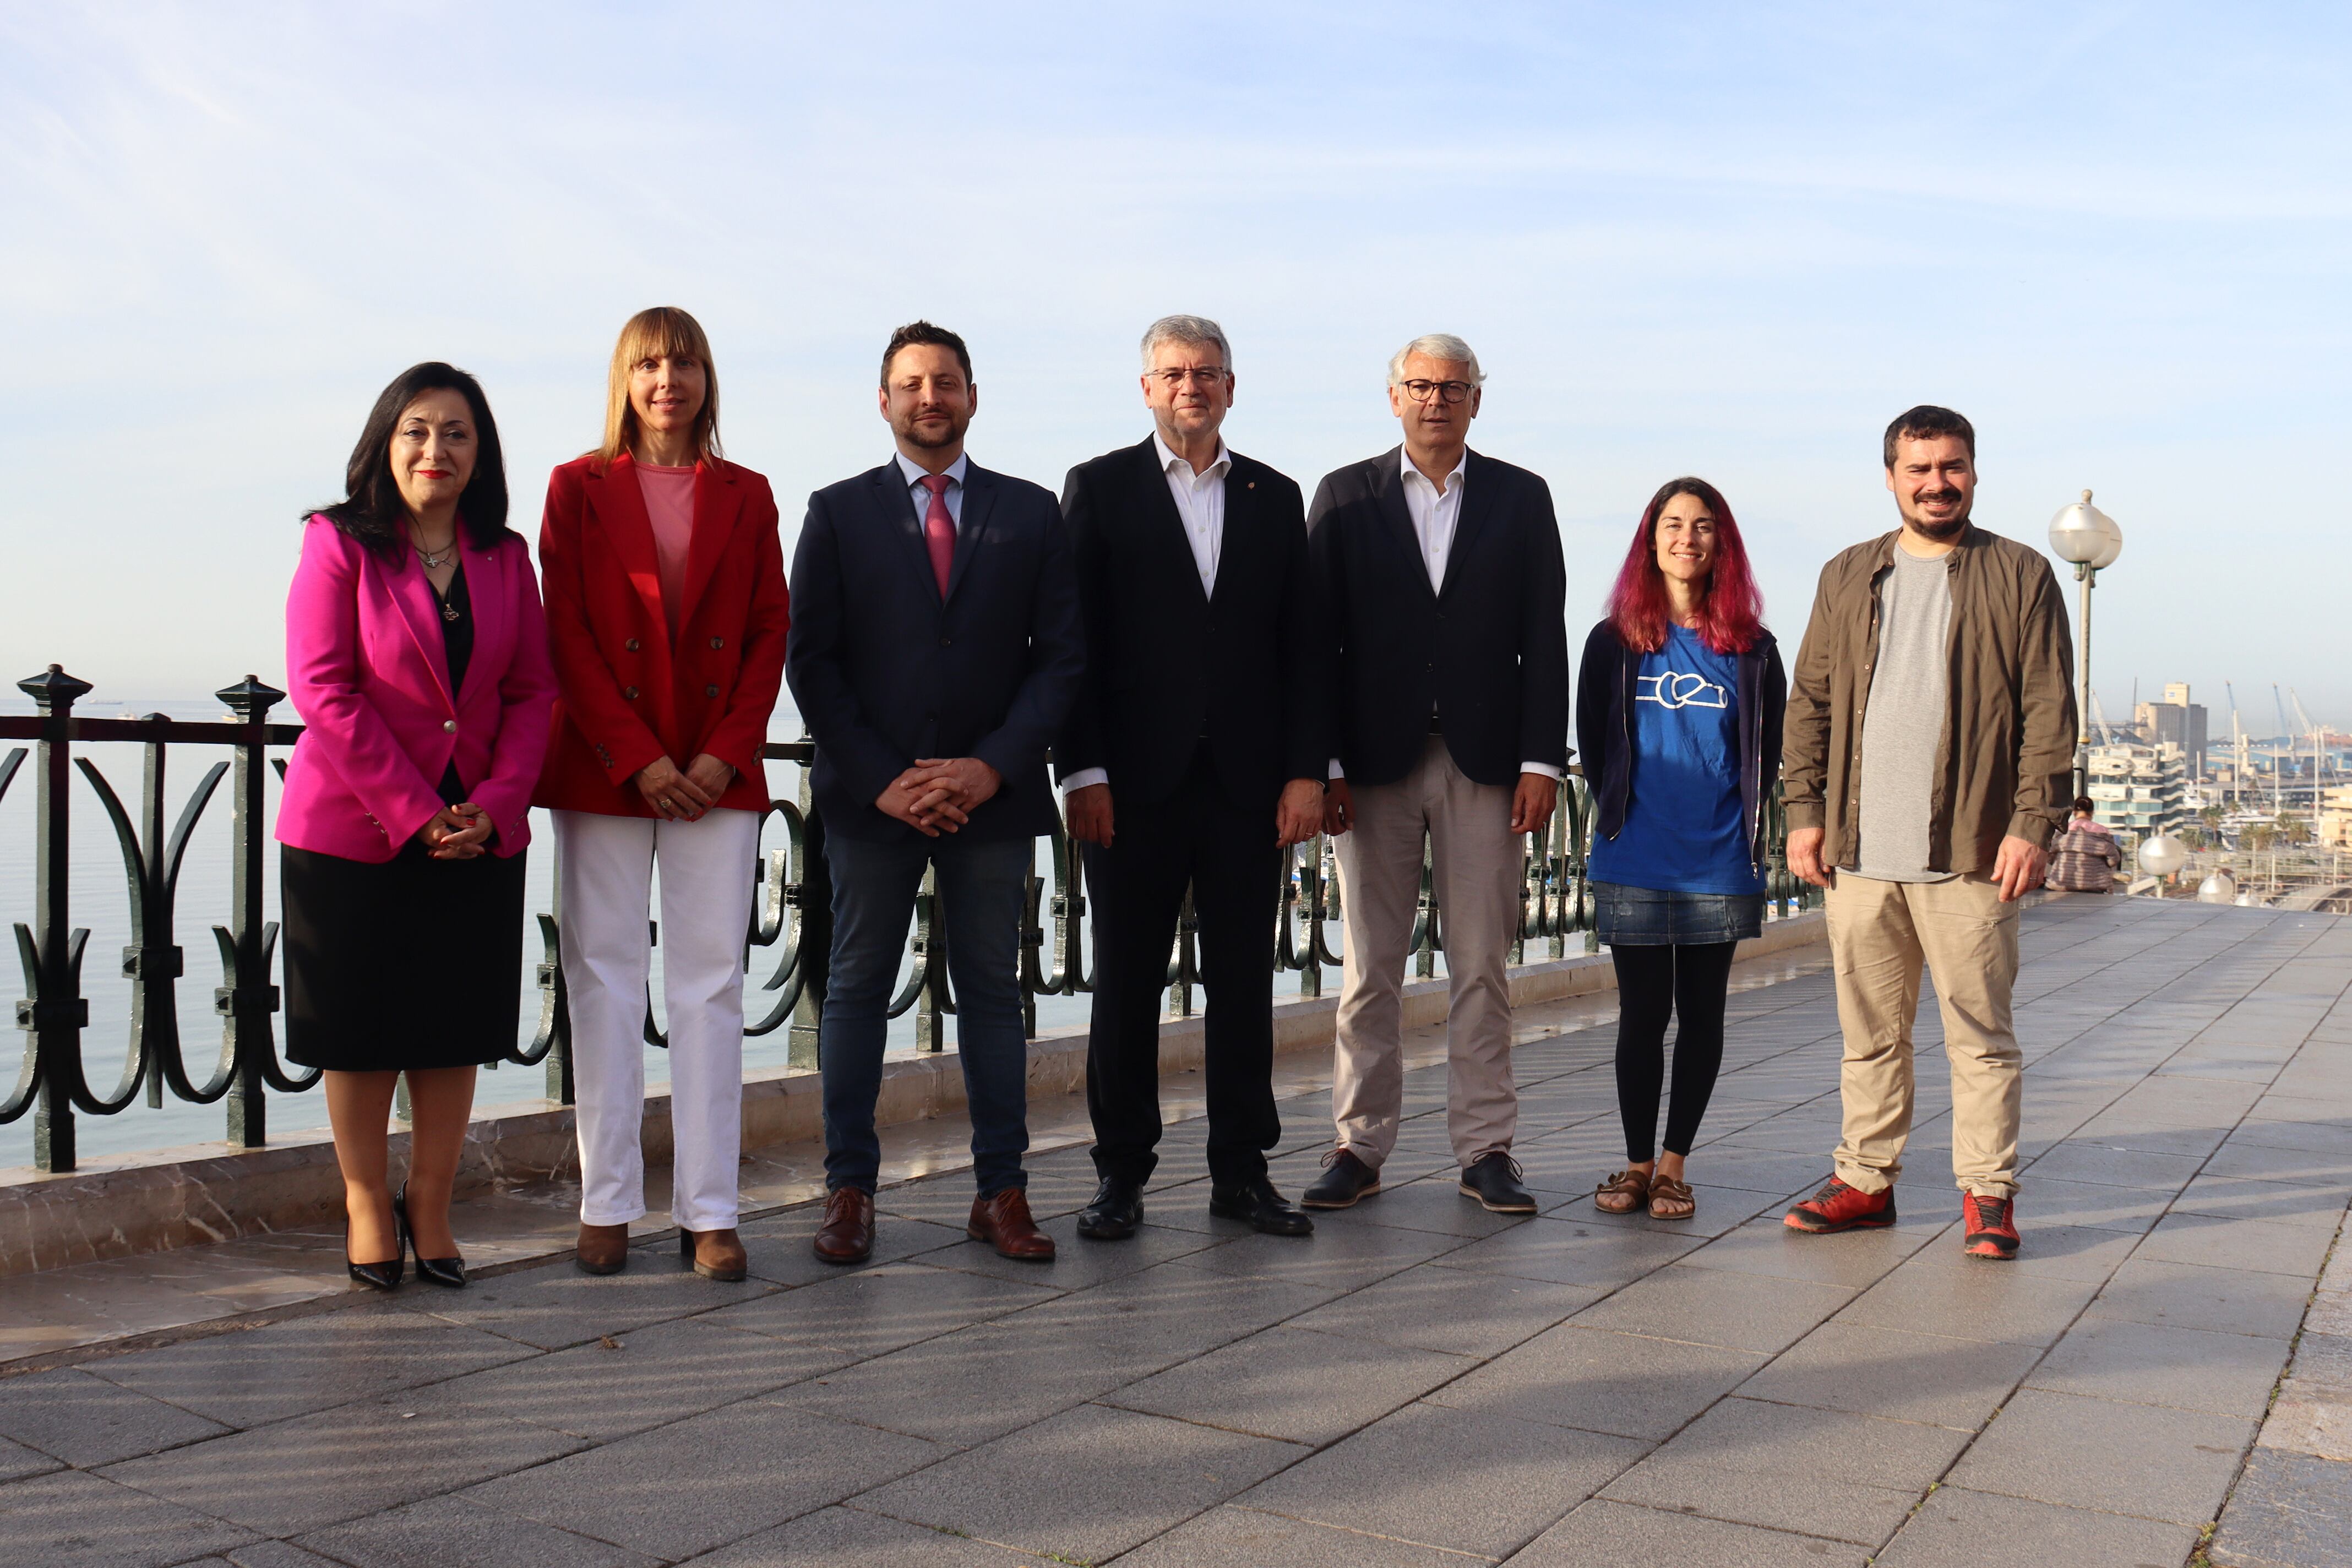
2087, 537
2218, 888
2162, 854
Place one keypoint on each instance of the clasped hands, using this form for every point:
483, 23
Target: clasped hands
459, 832
939, 794
683, 796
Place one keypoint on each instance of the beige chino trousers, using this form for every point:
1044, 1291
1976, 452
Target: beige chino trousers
1476, 863
1879, 934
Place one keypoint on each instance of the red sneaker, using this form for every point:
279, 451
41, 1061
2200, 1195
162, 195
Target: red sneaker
1838, 1206
1991, 1224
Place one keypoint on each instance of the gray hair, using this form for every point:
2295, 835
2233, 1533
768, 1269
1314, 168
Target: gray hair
1436, 345
1197, 330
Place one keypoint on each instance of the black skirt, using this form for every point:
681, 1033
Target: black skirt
408, 965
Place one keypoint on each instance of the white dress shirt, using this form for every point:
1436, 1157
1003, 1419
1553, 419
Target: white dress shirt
1201, 504
1434, 512
916, 474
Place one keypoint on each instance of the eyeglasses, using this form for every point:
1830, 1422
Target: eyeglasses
1444, 391
1203, 376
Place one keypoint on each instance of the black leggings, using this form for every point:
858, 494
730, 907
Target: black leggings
1653, 983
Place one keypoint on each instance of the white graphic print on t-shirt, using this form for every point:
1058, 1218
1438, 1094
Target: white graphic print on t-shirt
1674, 690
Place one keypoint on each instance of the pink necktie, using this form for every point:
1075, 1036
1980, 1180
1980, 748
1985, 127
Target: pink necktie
938, 529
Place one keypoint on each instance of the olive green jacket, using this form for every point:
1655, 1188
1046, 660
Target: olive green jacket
2005, 766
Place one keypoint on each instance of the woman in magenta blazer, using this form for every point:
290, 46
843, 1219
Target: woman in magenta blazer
416, 653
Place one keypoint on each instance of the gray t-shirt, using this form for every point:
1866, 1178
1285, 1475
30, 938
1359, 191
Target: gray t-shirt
1903, 722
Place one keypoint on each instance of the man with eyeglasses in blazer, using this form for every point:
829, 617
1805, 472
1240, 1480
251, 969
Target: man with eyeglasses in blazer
1443, 574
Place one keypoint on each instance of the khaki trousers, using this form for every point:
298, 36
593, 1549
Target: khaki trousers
1477, 860
1879, 933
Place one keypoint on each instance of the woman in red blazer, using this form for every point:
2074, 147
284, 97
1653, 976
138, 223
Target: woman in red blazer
666, 616
417, 656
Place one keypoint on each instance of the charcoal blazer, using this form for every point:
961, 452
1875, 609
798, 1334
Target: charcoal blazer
1168, 664
887, 671
1487, 648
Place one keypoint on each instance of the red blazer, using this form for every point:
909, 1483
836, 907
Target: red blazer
367, 670
627, 696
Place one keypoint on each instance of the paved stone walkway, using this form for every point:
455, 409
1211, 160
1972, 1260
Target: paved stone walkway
1420, 1385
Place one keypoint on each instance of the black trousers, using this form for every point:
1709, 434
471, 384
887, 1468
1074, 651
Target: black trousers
1226, 854
1653, 983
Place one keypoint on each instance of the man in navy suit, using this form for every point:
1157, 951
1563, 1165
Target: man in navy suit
934, 649
1443, 571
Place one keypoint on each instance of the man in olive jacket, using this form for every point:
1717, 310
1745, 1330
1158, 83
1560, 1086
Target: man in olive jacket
1927, 765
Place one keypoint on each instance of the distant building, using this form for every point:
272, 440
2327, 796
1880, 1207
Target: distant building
2138, 790
2174, 720
2333, 827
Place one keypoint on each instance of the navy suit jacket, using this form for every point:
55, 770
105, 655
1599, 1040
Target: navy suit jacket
1488, 648
1167, 664
885, 672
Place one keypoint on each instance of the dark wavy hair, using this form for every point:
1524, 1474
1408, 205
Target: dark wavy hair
372, 510
1731, 613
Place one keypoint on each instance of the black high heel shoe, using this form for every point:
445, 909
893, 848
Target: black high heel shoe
378, 1276
448, 1272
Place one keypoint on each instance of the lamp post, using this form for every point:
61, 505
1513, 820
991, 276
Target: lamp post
2087, 537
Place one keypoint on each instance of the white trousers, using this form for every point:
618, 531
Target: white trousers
604, 869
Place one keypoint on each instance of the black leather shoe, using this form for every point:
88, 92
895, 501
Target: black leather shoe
1494, 1179
448, 1272
1267, 1211
1345, 1179
1115, 1211
376, 1276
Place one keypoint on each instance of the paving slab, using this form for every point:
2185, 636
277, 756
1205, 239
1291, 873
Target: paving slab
1463, 1480
341, 1464
1342, 1255
1087, 1484
1233, 1537
2142, 1364
71, 1519
707, 1481
447, 1532
846, 1537
556, 1305
1717, 1307
777, 1249
2192, 1296
1855, 1258
1748, 1461
1624, 1385
1572, 1252
1976, 1300
87, 1421
310, 1363
1451, 1309
2256, 1246
2289, 1511
1623, 1536
1292, 1383
1872, 1371
1078, 1263
1957, 1528
2172, 1465
873, 1312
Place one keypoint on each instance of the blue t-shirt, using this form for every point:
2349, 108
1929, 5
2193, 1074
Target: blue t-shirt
1682, 832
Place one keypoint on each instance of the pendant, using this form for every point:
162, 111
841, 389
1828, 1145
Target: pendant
448, 612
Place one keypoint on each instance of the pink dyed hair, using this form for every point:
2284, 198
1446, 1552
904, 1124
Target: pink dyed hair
1732, 611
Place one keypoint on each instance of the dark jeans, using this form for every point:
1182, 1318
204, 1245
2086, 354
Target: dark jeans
1653, 983
982, 889
1226, 853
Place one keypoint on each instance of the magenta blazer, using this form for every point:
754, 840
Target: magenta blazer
368, 675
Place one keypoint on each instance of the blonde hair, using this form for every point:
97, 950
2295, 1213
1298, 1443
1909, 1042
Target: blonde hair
662, 331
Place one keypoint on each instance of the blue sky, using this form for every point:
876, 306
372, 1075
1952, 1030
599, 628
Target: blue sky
1725, 239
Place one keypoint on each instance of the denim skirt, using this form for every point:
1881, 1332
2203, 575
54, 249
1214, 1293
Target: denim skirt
1644, 917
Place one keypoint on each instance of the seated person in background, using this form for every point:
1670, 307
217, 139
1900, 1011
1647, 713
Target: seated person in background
2086, 858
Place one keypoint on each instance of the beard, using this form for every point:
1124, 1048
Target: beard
907, 431
1949, 528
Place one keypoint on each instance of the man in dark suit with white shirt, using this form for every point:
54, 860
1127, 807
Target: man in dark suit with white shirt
1443, 571
1194, 756
934, 651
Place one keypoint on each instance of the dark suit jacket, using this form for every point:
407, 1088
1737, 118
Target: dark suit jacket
885, 672
1166, 663
1489, 650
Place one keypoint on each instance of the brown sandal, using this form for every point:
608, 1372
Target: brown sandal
1623, 1192
1670, 1199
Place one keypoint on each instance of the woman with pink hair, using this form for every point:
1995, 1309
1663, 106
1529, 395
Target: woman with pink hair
1678, 721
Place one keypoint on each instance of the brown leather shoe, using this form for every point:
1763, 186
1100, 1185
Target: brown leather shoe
1003, 1222
604, 1248
716, 1254
848, 1234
